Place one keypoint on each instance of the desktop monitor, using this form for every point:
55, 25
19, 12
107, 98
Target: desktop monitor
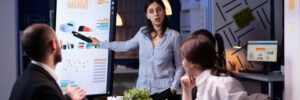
264, 51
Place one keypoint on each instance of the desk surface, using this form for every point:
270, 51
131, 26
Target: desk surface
262, 77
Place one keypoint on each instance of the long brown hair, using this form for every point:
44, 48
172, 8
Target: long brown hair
200, 48
150, 27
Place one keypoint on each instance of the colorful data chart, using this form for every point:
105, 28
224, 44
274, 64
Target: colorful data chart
102, 24
81, 45
292, 5
78, 4
64, 83
99, 70
102, 2
88, 46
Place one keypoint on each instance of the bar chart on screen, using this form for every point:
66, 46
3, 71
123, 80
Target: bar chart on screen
64, 83
102, 24
291, 4
78, 4
102, 2
99, 70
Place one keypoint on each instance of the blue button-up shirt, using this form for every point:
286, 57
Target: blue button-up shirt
160, 67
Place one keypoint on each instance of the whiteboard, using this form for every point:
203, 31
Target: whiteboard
84, 65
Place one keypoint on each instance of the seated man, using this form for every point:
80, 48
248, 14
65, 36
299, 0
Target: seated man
38, 82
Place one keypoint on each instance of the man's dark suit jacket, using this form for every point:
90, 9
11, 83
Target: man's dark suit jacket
36, 84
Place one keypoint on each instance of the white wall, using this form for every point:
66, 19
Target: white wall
292, 49
8, 47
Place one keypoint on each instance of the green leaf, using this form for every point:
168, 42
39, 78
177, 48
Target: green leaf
135, 94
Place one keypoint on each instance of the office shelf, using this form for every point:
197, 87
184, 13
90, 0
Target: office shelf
195, 15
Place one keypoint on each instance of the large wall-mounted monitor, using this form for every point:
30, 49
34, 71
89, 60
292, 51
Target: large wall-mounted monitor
265, 51
85, 65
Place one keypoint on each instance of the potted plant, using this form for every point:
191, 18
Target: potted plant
135, 94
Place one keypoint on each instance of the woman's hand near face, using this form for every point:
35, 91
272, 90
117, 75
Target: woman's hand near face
187, 83
95, 41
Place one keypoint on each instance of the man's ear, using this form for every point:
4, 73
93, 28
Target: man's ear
52, 44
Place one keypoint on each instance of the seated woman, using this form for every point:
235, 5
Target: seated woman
203, 66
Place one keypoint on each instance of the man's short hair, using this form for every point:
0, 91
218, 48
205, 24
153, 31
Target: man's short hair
35, 41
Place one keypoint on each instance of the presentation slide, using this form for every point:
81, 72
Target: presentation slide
262, 51
82, 64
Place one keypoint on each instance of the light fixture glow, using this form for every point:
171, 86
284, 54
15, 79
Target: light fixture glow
119, 20
237, 47
237, 44
168, 7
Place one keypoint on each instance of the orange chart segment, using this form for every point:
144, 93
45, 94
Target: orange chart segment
102, 2
260, 49
78, 4
291, 4
105, 20
100, 60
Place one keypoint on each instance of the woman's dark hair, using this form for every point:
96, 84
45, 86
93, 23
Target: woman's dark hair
150, 27
199, 48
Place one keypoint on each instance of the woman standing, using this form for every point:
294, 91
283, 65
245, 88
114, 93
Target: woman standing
202, 64
160, 67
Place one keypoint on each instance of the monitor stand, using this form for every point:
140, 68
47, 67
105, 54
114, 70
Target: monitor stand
267, 68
